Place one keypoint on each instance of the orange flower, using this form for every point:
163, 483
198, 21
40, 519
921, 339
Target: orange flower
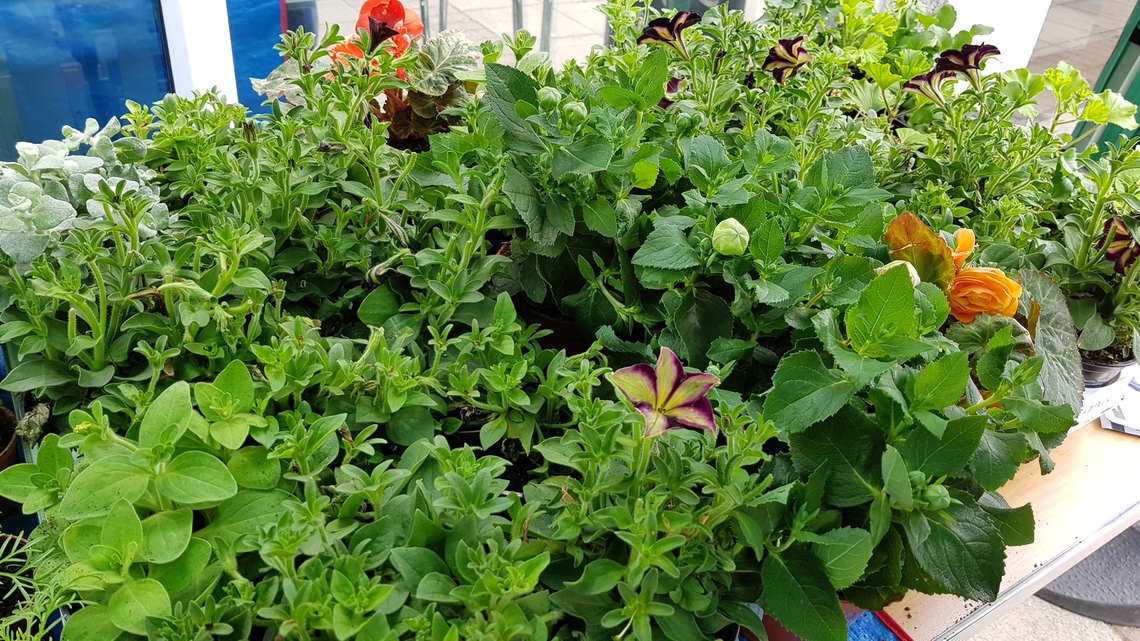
965, 245
983, 290
391, 18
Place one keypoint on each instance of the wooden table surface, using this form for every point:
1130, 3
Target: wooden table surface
1092, 495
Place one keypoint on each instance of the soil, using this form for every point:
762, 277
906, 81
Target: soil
10, 599
1112, 355
7, 426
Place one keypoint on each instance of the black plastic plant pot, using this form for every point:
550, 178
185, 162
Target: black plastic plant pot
1102, 374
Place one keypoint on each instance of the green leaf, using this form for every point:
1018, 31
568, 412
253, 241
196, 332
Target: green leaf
886, 309
767, 245
91, 623
196, 478
167, 417
16, 481
805, 392
1095, 334
245, 514
860, 370
180, 573
252, 468
991, 364
165, 535
936, 456
667, 247
1056, 340
437, 587
507, 86
725, 350
436, 63
1041, 418
850, 444
237, 382
651, 77
414, 564
963, 552
599, 577
1111, 108
849, 167
698, 318
941, 383
34, 375
896, 483
798, 593
122, 530
998, 457
98, 379
378, 306
131, 604
1015, 524
411, 424
582, 157
100, 485
845, 552
880, 518
600, 217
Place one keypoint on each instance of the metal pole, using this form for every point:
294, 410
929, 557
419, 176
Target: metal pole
443, 15
426, 16
547, 17
516, 12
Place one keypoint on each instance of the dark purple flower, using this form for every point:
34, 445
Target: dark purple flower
929, 84
672, 88
1121, 249
786, 58
968, 60
666, 396
667, 31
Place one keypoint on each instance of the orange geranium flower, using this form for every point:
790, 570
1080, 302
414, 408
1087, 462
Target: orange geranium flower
983, 290
965, 245
392, 20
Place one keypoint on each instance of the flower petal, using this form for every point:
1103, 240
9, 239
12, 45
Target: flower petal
698, 414
656, 423
638, 383
670, 373
691, 388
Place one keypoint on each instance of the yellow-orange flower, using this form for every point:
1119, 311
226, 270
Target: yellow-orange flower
982, 290
965, 245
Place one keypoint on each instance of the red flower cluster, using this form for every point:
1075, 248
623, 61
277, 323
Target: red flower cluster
385, 21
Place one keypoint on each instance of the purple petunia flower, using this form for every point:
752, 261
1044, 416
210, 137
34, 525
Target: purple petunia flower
666, 396
672, 88
786, 58
1121, 250
667, 31
929, 85
968, 60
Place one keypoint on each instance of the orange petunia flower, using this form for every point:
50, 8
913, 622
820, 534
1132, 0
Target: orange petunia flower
390, 16
982, 290
965, 245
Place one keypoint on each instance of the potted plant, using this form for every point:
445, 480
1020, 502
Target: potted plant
308, 404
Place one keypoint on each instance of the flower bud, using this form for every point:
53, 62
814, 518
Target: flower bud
936, 496
730, 238
917, 479
549, 98
915, 279
574, 113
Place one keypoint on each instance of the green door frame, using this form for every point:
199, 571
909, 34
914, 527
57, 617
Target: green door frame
1120, 74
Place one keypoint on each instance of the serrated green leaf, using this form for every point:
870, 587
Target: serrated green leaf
805, 392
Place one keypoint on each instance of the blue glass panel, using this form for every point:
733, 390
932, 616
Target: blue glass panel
255, 27
63, 61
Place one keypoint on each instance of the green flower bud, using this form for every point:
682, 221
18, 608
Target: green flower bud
574, 113
549, 98
936, 496
917, 479
730, 238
